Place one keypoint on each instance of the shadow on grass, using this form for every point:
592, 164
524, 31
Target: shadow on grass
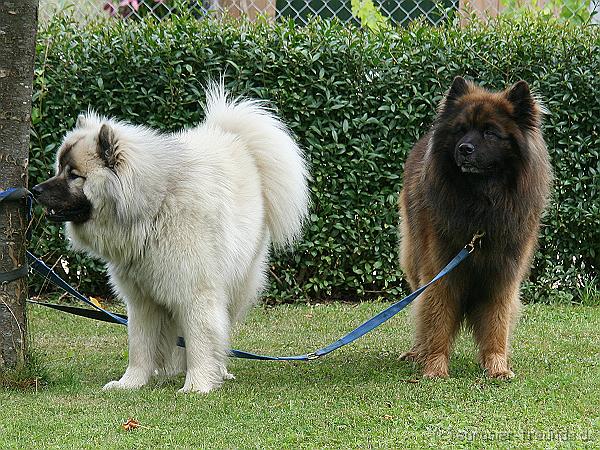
31, 377
350, 369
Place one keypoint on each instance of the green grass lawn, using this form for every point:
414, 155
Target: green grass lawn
361, 396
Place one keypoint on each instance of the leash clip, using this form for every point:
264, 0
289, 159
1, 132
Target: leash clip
311, 356
476, 239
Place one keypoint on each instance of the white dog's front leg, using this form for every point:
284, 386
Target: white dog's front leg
145, 319
205, 326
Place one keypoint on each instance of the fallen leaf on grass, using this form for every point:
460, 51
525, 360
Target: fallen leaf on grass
131, 424
411, 381
96, 301
388, 417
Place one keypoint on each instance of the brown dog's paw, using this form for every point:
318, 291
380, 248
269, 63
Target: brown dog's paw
496, 366
436, 366
501, 374
411, 356
433, 374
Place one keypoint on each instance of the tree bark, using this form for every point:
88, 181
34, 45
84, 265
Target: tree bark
18, 24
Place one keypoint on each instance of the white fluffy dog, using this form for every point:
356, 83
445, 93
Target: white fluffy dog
184, 222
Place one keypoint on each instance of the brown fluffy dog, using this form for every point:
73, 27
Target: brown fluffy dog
483, 167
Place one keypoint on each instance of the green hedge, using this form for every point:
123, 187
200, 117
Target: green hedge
357, 102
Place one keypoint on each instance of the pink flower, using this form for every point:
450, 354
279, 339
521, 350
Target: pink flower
134, 4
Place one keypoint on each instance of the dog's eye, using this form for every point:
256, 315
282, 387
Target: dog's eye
490, 134
74, 176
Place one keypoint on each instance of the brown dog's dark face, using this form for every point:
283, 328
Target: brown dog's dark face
482, 132
483, 143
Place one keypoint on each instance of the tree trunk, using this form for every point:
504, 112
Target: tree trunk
18, 24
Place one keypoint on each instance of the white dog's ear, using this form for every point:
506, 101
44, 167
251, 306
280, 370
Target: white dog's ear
107, 145
80, 121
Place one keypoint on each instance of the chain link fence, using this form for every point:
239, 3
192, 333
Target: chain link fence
397, 11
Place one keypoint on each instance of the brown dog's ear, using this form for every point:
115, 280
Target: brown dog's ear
107, 145
459, 88
518, 91
526, 110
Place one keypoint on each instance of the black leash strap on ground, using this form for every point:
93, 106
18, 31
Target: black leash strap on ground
39, 267
82, 312
12, 195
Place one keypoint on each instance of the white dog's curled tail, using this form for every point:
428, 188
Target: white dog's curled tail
283, 169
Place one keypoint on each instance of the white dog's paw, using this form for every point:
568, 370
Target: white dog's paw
127, 381
228, 376
225, 375
202, 387
119, 384
199, 389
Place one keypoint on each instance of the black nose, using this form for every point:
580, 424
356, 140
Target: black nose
37, 190
466, 149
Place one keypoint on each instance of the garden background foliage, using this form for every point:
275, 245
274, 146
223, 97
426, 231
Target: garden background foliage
357, 101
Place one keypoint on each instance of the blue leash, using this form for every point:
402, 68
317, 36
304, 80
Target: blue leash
42, 269
370, 324
99, 313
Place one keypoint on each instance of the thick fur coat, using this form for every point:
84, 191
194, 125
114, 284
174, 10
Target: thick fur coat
184, 222
483, 167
